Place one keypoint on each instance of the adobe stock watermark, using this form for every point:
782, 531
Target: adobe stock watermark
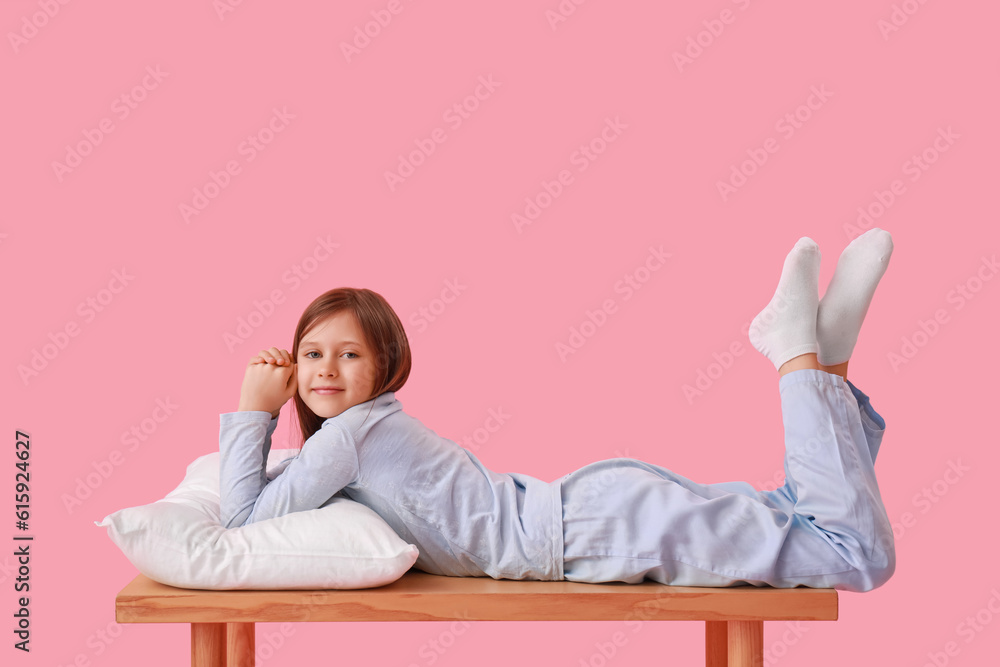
136, 436
264, 308
121, 108
267, 643
223, 7
264, 651
898, 17
706, 377
596, 485
97, 642
737, 521
604, 651
581, 158
482, 434
628, 285
59, 340
249, 148
923, 501
713, 29
562, 12
101, 640
779, 649
915, 166
925, 331
786, 126
635, 620
928, 497
31, 24
968, 628
426, 314
381, 18
434, 648
7, 568
455, 116
429, 652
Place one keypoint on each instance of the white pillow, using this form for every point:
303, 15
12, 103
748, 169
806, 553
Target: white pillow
179, 541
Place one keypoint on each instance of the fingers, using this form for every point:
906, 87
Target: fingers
273, 356
268, 385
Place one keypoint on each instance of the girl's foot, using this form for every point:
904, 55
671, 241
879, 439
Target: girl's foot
845, 303
786, 328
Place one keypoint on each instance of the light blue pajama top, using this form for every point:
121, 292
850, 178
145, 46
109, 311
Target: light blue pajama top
465, 520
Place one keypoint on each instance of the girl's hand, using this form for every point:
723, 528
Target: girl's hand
270, 380
273, 356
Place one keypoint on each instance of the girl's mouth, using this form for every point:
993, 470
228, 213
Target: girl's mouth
326, 392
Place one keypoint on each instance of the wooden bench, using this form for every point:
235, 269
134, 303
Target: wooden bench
222, 622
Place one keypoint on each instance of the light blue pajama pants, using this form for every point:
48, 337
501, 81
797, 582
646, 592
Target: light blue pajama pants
628, 520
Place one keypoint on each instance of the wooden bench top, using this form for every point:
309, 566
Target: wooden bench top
418, 596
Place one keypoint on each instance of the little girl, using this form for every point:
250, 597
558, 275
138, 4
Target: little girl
614, 520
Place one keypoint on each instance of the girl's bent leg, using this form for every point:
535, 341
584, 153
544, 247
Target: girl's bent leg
628, 520
874, 428
872, 421
829, 470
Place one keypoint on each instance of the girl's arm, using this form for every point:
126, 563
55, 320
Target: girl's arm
244, 443
327, 463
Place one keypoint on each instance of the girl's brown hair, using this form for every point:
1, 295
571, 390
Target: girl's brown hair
383, 333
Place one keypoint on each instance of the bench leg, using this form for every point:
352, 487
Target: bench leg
222, 644
746, 643
240, 644
734, 643
716, 644
208, 645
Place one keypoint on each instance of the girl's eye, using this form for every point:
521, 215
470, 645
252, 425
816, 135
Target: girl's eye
306, 355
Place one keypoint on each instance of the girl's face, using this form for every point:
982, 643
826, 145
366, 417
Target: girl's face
334, 354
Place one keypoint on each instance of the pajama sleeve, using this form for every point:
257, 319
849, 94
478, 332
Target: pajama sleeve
327, 463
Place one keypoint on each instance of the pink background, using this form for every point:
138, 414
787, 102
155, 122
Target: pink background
682, 131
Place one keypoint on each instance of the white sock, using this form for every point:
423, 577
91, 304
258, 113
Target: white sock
845, 303
786, 327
